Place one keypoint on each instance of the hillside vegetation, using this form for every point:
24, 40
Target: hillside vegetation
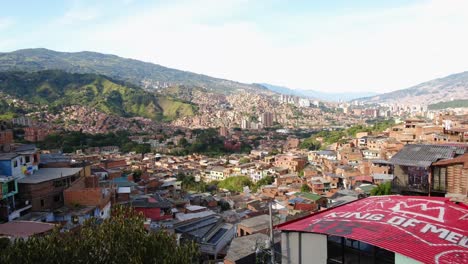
134, 71
57, 88
451, 104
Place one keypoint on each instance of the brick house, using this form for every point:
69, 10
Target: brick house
292, 162
86, 192
43, 190
451, 176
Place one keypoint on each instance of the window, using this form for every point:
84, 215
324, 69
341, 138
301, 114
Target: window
439, 177
15, 163
344, 250
418, 178
28, 159
57, 198
42, 203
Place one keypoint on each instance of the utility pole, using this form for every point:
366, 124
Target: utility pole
272, 241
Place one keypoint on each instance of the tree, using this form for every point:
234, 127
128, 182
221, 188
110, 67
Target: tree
244, 160
119, 239
236, 183
267, 180
224, 205
305, 188
382, 189
137, 175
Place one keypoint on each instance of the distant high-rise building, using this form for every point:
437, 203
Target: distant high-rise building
304, 102
23, 121
245, 124
266, 119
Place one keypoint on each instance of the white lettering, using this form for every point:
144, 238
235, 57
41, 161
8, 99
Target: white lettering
443, 232
396, 220
332, 215
464, 242
453, 237
345, 214
357, 215
376, 217
410, 222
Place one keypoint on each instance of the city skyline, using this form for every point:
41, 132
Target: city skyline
334, 46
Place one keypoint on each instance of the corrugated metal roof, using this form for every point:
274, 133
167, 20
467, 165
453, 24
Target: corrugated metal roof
460, 159
427, 229
423, 155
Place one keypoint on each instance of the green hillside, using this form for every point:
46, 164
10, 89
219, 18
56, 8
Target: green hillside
57, 88
134, 71
449, 104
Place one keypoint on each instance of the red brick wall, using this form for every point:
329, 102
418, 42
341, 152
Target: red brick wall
91, 182
114, 164
6, 137
88, 197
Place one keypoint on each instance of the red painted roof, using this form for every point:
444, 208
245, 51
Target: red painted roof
427, 229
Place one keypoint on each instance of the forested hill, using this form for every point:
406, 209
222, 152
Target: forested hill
141, 73
59, 88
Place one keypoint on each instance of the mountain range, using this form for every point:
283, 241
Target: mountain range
334, 97
141, 73
132, 74
452, 87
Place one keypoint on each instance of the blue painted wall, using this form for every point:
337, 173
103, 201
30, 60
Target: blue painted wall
5, 168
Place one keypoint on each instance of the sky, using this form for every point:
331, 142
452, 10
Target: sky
327, 45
